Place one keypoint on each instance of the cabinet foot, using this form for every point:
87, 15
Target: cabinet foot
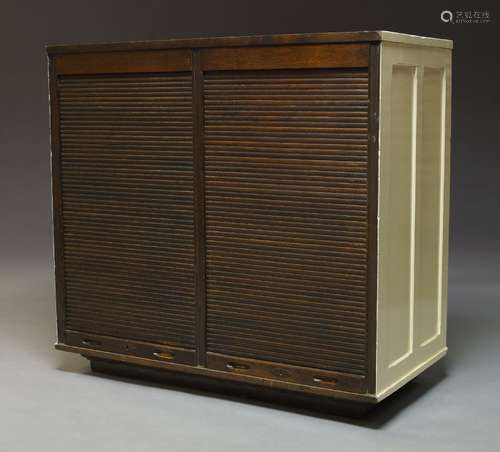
202, 385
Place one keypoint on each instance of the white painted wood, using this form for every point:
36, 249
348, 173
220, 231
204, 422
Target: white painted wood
415, 95
403, 38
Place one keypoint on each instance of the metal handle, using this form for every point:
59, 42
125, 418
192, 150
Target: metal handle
164, 355
237, 366
325, 380
281, 373
91, 342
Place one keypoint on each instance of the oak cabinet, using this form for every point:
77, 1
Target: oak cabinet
265, 210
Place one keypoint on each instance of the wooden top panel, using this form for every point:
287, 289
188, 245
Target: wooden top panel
119, 62
258, 40
285, 57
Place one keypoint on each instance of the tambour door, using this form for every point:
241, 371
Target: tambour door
286, 191
122, 132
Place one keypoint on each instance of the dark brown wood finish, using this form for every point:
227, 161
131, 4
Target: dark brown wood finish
300, 401
286, 57
296, 374
131, 347
92, 353
282, 239
373, 150
286, 183
223, 41
126, 190
57, 211
127, 205
120, 62
199, 208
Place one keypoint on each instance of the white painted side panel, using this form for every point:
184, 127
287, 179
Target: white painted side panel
413, 211
404, 38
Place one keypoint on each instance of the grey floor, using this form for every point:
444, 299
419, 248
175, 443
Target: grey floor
50, 401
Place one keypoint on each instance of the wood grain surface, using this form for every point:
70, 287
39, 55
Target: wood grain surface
215, 207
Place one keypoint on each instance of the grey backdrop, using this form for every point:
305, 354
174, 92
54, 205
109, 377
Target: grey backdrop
49, 401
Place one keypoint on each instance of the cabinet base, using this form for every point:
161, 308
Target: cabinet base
235, 390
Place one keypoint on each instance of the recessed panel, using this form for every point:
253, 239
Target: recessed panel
428, 218
399, 220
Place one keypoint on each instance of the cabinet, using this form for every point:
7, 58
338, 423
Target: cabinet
268, 210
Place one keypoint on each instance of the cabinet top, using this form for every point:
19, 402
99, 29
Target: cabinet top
256, 40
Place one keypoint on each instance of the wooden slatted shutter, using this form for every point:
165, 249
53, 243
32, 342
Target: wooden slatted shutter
286, 171
126, 184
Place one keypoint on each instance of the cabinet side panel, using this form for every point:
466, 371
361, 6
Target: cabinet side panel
413, 211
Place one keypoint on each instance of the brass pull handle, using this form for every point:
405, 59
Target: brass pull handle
91, 343
237, 366
281, 373
325, 380
164, 355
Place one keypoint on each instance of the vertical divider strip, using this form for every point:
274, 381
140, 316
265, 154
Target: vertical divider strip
373, 175
199, 209
57, 211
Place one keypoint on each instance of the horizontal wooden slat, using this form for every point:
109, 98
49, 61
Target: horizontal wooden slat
286, 57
